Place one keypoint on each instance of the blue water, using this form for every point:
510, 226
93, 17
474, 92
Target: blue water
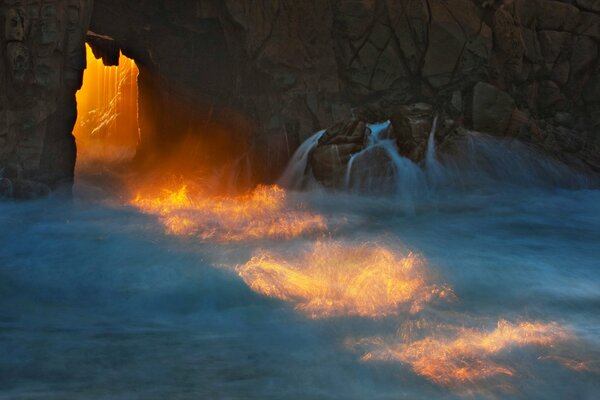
97, 302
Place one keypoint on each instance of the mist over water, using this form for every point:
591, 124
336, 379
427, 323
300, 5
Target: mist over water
481, 280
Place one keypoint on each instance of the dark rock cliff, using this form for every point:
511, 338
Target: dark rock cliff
274, 71
42, 63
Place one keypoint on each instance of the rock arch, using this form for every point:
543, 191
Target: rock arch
275, 71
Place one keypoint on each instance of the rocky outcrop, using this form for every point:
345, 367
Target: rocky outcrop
409, 130
272, 72
412, 125
43, 58
335, 148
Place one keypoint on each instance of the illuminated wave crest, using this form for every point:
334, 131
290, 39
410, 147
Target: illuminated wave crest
335, 279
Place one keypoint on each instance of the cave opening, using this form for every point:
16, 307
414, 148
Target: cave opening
132, 119
107, 127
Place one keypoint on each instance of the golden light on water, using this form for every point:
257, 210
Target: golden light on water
332, 279
107, 109
335, 279
259, 213
455, 355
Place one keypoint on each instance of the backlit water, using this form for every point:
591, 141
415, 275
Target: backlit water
99, 301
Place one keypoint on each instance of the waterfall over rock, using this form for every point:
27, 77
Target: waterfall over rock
295, 173
464, 159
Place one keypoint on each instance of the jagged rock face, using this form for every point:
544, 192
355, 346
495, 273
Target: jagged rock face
43, 57
412, 125
292, 68
275, 71
265, 70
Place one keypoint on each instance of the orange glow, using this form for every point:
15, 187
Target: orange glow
107, 104
463, 355
335, 279
259, 213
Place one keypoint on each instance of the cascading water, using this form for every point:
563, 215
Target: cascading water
295, 173
474, 160
430, 157
479, 160
374, 141
380, 166
434, 169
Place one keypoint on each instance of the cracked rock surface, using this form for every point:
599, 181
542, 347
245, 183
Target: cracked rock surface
279, 70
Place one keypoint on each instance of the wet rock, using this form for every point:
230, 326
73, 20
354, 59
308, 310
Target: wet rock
330, 159
568, 139
22, 189
373, 171
492, 109
353, 131
6, 188
26, 189
412, 126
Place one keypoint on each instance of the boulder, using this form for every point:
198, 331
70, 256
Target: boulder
373, 171
412, 126
330, 159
